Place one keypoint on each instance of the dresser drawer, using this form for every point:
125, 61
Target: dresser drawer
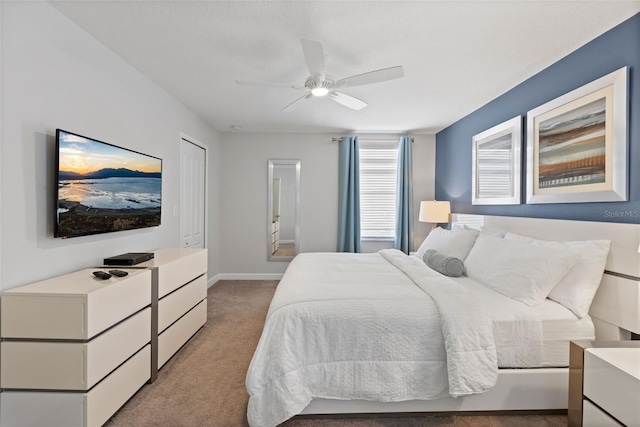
592, 416
177, 334
177, 267
80, 307
612, 381
94, 408
73, 366
108, 396
174, 305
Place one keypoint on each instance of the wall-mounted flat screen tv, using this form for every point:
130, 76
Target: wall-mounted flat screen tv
103, 188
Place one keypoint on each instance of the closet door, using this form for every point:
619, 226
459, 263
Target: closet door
192, 194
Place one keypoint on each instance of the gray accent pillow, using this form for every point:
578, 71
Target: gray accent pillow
443, 264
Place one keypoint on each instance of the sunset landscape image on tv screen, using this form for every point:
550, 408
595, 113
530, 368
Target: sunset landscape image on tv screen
104, 188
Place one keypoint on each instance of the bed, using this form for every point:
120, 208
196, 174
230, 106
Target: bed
383, 332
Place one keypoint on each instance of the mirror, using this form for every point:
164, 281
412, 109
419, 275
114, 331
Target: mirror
283, 213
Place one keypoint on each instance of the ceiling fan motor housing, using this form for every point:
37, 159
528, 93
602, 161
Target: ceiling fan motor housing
311, 83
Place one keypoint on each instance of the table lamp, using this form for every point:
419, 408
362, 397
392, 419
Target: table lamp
435, 212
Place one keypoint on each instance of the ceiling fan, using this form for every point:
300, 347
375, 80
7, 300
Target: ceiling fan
319, 84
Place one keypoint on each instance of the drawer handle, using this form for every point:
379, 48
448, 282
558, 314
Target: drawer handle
83, 366
84, 317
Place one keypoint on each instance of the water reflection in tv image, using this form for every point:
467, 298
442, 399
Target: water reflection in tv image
103, 188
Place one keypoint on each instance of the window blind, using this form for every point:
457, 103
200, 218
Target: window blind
495, 170
378, 178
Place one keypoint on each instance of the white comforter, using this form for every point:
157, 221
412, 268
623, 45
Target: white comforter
379, 327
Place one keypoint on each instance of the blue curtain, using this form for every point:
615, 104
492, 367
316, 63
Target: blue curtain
349, 196
404, 204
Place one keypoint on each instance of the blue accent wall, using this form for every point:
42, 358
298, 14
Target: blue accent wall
614, 49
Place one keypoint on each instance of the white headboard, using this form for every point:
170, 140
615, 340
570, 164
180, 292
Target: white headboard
617, 303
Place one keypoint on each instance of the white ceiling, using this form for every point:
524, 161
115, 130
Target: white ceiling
457, 55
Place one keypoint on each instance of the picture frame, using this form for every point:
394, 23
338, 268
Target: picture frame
497, 158
577, 144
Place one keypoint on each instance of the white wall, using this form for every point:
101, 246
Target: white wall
54, 75
243, 197
243, 205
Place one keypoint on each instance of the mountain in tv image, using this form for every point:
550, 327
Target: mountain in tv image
107, 200
107, 173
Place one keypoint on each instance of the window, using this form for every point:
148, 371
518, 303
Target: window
378, 177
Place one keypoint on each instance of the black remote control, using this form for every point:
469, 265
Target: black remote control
118, 273
101, 275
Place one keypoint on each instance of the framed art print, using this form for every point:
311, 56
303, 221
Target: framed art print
577, 144
496, 167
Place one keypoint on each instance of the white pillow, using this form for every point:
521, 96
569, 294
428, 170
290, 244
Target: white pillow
454, 243
492, 231
484, 229
577, 289
521, 271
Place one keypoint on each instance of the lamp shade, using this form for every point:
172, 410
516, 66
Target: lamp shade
434, 211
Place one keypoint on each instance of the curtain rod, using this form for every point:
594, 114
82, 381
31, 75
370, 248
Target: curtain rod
339, 138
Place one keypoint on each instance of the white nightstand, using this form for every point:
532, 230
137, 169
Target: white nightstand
611, 389
585, 404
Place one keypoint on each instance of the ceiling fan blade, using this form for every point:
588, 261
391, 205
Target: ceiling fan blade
314, 55
262, 84
347, 100
371, 77
295, 104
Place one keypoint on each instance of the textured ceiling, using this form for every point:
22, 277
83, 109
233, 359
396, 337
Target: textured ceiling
457, 55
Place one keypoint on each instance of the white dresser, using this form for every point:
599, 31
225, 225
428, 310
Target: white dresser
611, 387
74, 348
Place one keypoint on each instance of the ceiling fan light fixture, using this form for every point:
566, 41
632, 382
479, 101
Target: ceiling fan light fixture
319, 87
319, 91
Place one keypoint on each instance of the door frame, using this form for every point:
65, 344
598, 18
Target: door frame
187, 138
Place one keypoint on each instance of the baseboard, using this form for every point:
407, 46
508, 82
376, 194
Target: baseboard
247, 276
212, 280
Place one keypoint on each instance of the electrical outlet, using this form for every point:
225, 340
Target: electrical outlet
175, 211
